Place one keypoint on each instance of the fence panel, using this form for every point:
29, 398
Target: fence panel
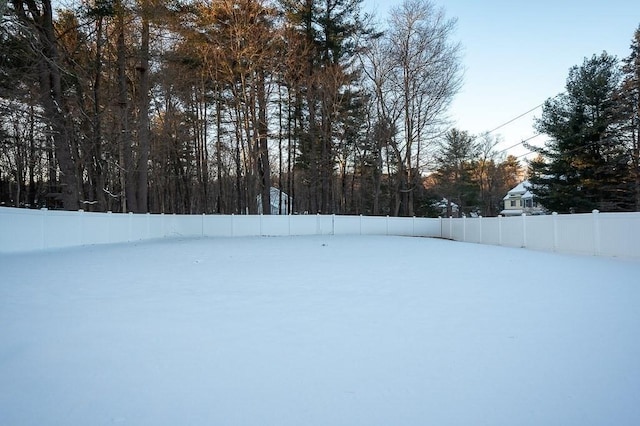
491, 230
325, 224
619, 234
22, 230
303, 224
274, 225
457, 230
575, 233
155, 226
217, 225
347, 225
95, 228
403, 226
472, 229
63, 229
512, 232
447, 228
427, 227
539, 231
610, 234
138, 227
374, 225
245, 226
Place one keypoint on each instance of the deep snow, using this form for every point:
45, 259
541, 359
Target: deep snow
318, 331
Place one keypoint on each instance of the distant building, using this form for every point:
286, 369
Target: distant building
446, 208
280, 202
521, 200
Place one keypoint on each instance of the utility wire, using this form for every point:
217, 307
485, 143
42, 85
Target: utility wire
519, 143
571, 151
523, 114
516, 118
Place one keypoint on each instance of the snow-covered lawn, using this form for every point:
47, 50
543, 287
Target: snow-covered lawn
318, 331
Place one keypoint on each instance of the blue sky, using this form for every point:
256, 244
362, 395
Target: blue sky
517, 54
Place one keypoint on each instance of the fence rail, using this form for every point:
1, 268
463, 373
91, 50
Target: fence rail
602, 234
26, 230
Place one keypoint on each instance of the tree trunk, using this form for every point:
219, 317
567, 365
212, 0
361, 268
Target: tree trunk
264, 168
126, 151
52, 102
96, 168
142, 169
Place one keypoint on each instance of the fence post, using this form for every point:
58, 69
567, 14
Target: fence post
202, 226
451, 228
231, 230
596, 232
43, 241
130, 226
554, 219
499, 229
387, 224
464, 228
81, 230
524, 230
109, 226
480, 228
261, 224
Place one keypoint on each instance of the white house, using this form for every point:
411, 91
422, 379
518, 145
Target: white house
520, 200
280, 201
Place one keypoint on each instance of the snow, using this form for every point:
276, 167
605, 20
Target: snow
318, 331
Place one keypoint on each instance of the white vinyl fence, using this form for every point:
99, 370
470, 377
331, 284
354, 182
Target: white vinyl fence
26, 230
601, 234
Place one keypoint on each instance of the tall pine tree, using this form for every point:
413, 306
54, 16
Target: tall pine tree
630, 107
584, 166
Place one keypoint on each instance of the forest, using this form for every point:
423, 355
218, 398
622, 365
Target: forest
195, 106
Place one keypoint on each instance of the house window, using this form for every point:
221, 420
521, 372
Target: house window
513, 203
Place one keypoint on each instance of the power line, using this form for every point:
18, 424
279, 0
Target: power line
519, 143
523, 114
515, 118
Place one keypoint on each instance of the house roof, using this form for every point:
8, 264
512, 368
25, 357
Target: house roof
521, 190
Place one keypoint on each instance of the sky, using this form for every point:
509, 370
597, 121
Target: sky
517, 54
318, 330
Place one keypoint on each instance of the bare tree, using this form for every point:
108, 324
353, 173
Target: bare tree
37, 17
416, 75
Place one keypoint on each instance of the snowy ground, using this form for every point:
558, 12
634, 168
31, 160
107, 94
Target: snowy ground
318, 331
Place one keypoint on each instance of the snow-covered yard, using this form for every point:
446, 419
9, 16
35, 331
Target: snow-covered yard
318, 331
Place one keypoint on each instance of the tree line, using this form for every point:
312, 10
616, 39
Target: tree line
592, 160
202, 106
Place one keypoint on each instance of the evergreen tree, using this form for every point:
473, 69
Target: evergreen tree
629, 99
454, 159
330, 31
584, 166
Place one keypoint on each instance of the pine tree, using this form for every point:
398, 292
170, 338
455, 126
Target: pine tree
330, 31
454, 169
629, 99
584, 166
